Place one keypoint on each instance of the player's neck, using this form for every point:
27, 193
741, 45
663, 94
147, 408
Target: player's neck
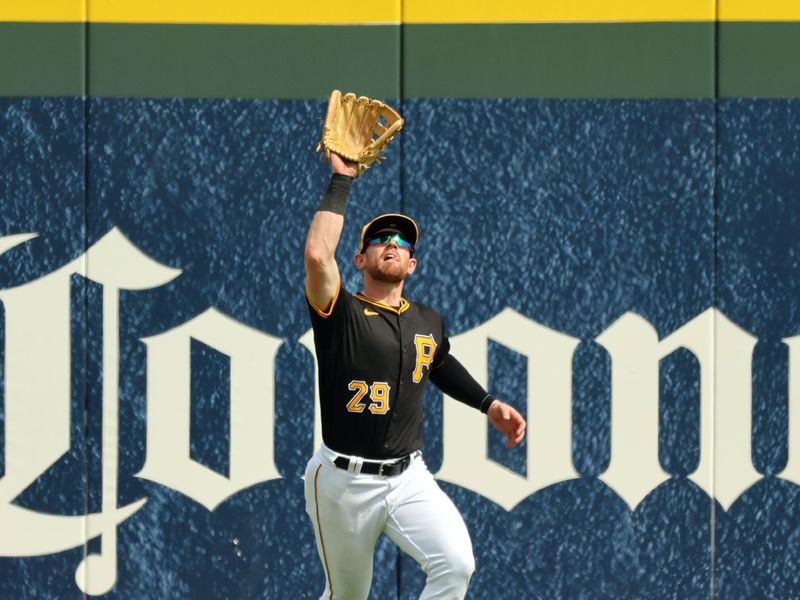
387, 293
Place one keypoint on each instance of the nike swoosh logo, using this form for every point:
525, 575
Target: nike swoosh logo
370, 313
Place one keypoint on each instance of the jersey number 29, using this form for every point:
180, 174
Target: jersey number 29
378, 397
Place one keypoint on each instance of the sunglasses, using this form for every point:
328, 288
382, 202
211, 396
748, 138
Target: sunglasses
398, 239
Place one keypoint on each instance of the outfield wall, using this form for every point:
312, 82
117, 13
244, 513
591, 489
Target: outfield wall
608, 203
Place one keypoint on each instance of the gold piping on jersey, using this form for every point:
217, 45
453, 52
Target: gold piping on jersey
319, 530
404, 304
326, 313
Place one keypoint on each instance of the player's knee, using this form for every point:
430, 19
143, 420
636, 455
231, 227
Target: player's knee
453, 572
462, 567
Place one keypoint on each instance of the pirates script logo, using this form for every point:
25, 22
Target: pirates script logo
37, 408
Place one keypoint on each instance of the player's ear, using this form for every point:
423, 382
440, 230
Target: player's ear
412, 265
359, 261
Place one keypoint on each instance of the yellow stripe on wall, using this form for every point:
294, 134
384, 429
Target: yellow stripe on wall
559, 11
326, 12
272, 12
52, 11
753, 10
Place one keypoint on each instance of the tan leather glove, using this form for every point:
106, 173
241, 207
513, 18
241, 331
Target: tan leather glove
358, 128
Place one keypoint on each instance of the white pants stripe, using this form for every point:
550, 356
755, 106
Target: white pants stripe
349, 511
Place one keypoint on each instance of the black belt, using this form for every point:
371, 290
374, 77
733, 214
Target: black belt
387, 469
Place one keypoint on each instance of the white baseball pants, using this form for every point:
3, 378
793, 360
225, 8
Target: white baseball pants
349, 511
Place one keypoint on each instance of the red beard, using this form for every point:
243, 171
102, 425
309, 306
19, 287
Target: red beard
387, 272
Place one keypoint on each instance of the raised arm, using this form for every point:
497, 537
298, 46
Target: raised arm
322, 272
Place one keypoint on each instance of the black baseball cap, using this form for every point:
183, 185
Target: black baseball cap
389, 222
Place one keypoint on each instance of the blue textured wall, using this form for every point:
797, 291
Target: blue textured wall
758, 540
570, 212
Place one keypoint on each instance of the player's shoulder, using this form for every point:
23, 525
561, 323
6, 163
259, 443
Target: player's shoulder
342, 303
423, 310
348, 299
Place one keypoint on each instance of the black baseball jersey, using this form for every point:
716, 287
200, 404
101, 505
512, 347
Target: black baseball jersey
374, 361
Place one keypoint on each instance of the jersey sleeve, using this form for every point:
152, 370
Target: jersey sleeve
329, 319
454, 380
325, 312
450, 376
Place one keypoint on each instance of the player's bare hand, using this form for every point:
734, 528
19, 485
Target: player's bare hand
508, 421
343, 166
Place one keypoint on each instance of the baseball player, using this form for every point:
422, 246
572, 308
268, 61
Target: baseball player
376, 350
